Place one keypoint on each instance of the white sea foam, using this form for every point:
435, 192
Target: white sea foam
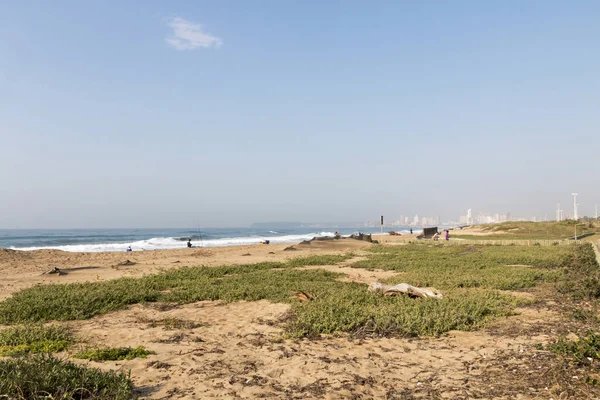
165, 243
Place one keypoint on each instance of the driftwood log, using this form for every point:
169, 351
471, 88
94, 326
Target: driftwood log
403, 288
56, 271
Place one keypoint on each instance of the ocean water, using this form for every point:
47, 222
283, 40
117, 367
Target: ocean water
88, 240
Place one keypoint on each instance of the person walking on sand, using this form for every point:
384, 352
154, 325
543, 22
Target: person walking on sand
447, 234
411, 231
189, 243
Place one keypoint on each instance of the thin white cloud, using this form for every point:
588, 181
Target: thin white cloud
189, 36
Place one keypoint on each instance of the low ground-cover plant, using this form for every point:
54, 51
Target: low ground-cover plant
584, 349
530, 231
491, 267
325, 259
467, 275
352, 309
335, 306
46, 377
34, 338
169, 324
85, 300
114, 353
581, 274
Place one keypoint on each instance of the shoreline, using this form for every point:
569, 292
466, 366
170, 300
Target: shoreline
166, 239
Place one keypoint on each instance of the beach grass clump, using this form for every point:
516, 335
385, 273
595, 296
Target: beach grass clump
170, 324
325, 259
65, 302
352, 309
527, 230
113, 353
273, 285
581, 274
581, 350
489, 267
46, 377
34, 338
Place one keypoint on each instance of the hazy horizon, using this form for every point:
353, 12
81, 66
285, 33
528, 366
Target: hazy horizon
170, 114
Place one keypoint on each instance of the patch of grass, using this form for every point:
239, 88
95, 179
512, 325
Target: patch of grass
489, 267
325, 259
337, 307
65, 302
34, 338
583, 350
581, 274
530, 231
170, 324
114, 354
46, 377
352, 309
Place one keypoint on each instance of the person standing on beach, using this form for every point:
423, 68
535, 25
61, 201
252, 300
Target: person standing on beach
189, 243
411, 231
447, 234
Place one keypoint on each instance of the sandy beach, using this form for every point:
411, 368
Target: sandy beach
22, 269
235, 350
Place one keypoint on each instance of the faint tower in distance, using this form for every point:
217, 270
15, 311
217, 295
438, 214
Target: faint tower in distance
469, 217
575, 216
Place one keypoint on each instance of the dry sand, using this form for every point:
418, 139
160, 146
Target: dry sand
236, 350
22, 269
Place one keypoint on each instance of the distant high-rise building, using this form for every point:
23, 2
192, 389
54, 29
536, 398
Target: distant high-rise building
469, 217
416, 220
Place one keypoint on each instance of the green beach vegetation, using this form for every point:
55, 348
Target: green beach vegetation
531, 230
114, 353
34, 338
470, 266
472, 279
47, 377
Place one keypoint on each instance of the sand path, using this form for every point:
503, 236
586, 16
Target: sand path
236, 351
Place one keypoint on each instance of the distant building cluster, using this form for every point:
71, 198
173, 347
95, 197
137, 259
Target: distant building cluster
486, 218
409, 221
483, 218
490, 218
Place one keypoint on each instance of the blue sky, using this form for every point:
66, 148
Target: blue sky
159, 114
